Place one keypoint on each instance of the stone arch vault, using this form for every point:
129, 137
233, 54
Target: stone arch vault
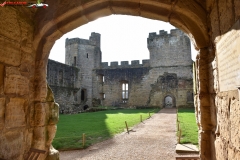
28, 114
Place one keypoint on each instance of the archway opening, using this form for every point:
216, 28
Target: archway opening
168, 102
184, 17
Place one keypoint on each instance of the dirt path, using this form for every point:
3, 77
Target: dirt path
154, 139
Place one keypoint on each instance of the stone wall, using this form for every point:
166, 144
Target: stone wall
145, 87
63, 80
27, 36
169, 49
224, 99
92, 82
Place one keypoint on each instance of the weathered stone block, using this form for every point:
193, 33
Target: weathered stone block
235, 124
53, 113
12, 145
39, 137
2, 112
41, 92
50, 96
221, 149
15, 113
16, 84
1, 78
12, 29
39, 114
51, 131
11, 54
233, 154
224, 115
226, 17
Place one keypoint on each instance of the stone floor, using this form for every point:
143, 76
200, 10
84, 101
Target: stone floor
153, 139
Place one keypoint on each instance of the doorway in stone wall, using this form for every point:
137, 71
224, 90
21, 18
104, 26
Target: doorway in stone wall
83, 95
168, 102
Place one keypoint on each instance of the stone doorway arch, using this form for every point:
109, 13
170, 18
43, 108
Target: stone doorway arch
44, 27
169, 101
69, 15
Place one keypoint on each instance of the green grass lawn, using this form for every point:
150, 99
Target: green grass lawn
97, 126
188, 125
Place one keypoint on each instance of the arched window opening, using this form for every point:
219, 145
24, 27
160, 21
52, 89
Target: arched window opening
124, 92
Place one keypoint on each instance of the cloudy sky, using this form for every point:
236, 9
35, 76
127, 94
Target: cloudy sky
123, 38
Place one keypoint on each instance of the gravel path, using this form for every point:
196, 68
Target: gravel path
154, 139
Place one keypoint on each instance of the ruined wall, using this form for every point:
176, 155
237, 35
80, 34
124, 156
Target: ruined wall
63, 80
224, 78
144, 86
27, 35
169, 53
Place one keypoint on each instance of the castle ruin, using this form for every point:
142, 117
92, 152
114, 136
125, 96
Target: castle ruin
28, 112
164, 80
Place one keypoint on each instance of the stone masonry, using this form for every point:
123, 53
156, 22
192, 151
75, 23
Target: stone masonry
85, 80
28, 112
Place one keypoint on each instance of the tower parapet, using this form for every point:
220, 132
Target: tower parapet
94, 40
171, 49
125, 64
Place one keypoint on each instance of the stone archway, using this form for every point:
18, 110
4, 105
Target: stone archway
169, 101
189, 17
27, 36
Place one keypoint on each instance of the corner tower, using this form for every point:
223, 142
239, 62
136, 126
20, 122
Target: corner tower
172, 49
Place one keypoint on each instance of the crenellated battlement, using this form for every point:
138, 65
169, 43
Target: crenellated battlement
153, 37
94, 40
125, 64
163, 33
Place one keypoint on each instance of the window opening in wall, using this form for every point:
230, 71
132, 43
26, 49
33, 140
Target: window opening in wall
101, 78
102, 96
75, 61
83, 94
87, 55
125, 92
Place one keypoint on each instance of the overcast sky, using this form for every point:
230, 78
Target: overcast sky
123, 38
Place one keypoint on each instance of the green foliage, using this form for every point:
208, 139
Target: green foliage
97, 126
188, 125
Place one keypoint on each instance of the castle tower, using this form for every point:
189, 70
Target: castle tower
172, 49
85, 55
79, 51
